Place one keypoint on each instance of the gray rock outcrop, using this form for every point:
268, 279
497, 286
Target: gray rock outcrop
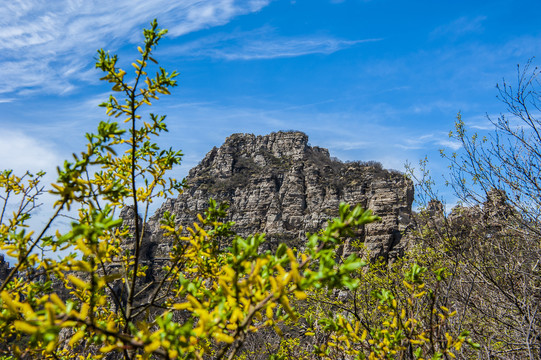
4, 269
280, 185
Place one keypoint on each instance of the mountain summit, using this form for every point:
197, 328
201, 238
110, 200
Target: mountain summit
280, 185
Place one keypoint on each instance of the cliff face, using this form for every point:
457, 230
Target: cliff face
4, 268
280, 185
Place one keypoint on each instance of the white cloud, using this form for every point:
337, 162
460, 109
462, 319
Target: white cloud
21, 152
38, 36
262, 44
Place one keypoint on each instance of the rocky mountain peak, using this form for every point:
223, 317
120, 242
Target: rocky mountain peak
222, 160
280, 185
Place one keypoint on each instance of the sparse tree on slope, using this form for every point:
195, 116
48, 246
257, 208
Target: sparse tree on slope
493, 247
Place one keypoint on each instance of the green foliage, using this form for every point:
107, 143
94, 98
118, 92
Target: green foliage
396, 312
207, 299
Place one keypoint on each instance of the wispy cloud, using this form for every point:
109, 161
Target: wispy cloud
349, 145
433, 140
343, 1
37, 37
459, 27
449, 143
428, 107
480, 122
263, 43
205, 14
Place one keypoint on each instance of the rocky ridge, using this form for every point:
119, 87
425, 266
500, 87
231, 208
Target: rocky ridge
280, 185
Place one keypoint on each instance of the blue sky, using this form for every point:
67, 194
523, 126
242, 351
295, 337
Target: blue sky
369, 80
